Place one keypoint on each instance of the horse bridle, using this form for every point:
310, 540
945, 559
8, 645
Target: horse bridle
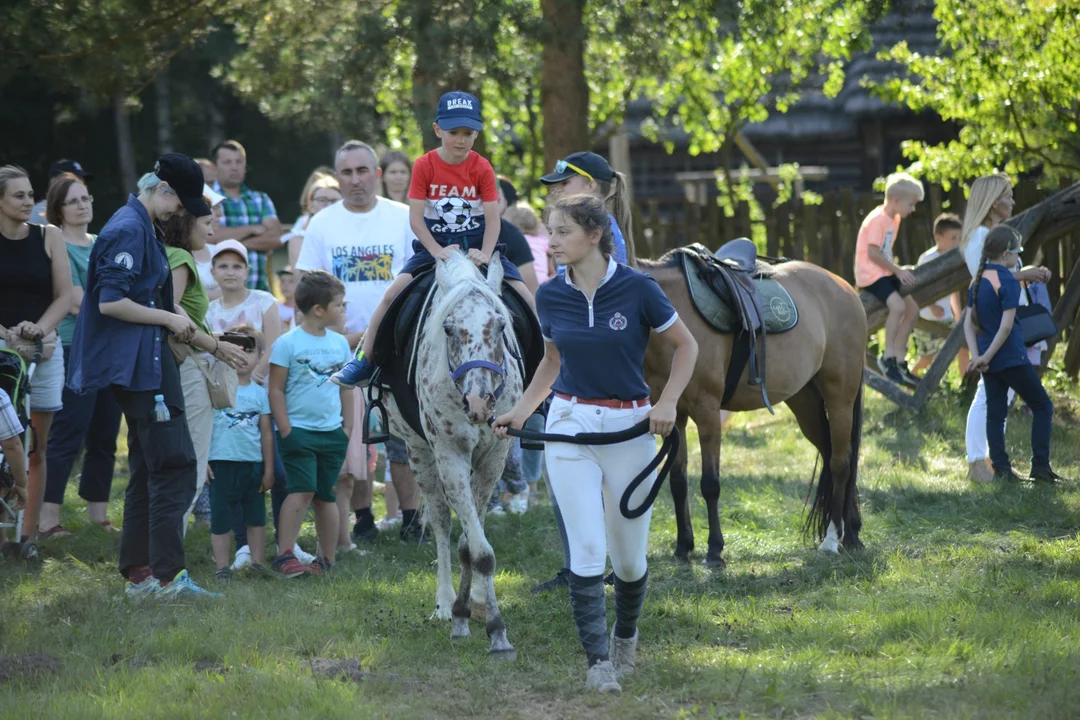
499, 370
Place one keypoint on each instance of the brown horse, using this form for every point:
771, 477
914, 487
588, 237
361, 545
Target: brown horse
816, 368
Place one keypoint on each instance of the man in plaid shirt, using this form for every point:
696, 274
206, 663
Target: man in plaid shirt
249, 215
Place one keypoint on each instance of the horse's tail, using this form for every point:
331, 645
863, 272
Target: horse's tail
820, 514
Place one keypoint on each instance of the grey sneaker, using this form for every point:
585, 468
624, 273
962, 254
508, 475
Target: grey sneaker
602, 678
623, 654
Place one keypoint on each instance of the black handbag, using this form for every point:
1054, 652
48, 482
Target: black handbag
1036, 322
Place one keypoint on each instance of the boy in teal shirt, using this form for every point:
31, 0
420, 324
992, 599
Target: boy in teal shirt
313, 416
242, 460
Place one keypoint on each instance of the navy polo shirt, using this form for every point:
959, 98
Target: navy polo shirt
602, 339
127, 261
991, 307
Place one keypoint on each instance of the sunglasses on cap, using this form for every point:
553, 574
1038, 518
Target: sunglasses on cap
563, 166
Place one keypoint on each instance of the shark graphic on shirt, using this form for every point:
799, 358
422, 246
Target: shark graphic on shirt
320, 373
247, 418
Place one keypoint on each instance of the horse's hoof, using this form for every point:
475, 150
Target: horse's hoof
461, 629
829, 545
503, 654
479, 612
714, 562
442, 614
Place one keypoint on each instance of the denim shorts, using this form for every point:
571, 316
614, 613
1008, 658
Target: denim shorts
396, 451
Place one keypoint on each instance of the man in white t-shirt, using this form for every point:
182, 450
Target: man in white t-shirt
363, 241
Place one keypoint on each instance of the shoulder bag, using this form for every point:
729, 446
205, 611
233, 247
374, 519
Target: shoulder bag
1036, 322
221, 380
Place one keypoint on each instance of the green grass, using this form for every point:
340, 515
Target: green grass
965, 604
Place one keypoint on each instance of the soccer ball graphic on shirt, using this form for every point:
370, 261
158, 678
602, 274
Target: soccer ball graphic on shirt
455, 212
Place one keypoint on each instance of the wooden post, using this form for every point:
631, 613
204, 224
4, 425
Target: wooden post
933, 281
1066, 308
942, 360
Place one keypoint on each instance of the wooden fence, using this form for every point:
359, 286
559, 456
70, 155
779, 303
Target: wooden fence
825, 234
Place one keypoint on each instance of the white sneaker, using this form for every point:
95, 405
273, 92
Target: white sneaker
602, 678
243, 558
623, 654
496, 510
303, 557
388, 522
519, 504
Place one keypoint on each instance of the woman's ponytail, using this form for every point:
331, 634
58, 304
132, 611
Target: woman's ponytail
617, 200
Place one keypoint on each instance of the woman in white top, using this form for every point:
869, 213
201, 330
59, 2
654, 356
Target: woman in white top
239, 305
989, 203
295, 237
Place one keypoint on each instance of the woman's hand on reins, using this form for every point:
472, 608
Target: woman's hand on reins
508, 420
662, 419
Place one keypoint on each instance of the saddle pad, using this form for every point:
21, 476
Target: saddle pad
780, 313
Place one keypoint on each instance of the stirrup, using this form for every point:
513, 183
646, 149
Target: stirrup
374, 402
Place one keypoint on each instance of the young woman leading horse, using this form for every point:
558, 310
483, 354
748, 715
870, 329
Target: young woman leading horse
816, 368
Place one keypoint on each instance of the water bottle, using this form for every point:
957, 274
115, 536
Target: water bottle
161, 410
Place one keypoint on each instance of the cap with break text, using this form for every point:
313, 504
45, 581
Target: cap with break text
459, 109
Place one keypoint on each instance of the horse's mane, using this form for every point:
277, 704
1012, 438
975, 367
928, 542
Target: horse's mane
457, 278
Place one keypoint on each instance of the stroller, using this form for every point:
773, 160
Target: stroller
15, 375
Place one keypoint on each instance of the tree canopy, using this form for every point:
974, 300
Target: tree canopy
1006, 72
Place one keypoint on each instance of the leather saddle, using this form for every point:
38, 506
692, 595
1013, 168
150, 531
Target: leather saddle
398, 341
726, 288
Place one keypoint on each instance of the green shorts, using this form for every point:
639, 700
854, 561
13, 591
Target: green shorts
313, 461
236, 483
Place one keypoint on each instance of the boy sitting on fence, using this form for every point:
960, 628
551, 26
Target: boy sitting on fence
876, 273
946, 237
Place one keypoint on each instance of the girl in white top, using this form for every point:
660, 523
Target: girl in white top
989, 203
312, 200
240, 306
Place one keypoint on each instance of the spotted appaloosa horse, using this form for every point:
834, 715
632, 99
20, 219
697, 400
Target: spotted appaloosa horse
465, 376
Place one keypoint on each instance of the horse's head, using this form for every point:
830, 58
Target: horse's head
474, 321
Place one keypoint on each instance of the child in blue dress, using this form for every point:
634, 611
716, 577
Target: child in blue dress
997, 349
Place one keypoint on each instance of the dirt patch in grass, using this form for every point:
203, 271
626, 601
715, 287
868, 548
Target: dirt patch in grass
28, 666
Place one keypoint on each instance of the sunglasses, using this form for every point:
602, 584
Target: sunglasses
562, 166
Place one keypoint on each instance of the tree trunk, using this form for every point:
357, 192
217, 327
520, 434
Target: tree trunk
564, 94
163, 112
125, 148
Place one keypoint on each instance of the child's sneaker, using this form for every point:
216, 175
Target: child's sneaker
891, 370
304, 557
289, 566
142, 590
519, 504
908, 377
243, 558
388, 522
356, 374
183, 586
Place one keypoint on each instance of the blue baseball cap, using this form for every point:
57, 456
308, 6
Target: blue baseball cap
459, 109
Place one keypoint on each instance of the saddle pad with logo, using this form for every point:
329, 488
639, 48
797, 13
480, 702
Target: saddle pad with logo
777, 307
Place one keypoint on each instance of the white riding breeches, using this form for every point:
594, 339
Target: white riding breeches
589, 481
975, 432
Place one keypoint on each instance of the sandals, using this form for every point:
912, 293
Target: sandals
56, 531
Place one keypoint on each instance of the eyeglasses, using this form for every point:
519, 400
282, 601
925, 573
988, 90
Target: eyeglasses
75, 202
562, 166
322, 201
1016, 251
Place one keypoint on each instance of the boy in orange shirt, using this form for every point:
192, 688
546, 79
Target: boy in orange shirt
876, 272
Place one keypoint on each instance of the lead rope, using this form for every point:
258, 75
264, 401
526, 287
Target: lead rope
667, 454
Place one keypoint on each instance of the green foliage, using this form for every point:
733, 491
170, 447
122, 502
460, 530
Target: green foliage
105, 47
1006, 73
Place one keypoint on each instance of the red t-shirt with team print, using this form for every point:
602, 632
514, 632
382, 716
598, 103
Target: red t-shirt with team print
453, 195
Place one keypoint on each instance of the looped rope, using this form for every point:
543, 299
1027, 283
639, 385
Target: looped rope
667, 454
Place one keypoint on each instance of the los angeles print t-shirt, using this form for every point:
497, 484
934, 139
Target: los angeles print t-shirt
365, 251
454, 197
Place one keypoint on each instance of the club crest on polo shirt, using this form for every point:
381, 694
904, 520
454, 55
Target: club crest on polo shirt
618, 321
124, 259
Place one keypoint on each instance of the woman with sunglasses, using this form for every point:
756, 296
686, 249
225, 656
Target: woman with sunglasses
91, 420
997, 351
588, 173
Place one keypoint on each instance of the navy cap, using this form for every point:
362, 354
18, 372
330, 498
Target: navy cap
186, 179
459, 109
68, 166
586, 164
